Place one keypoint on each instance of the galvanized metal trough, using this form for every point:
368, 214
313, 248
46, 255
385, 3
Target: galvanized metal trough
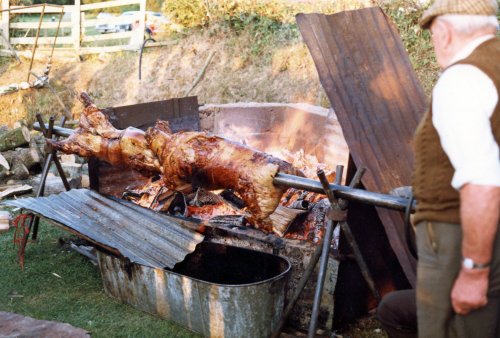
218, 290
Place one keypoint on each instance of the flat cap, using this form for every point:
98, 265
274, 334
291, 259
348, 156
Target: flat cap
466, 7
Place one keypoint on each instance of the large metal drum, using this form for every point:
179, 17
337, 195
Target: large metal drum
218, 290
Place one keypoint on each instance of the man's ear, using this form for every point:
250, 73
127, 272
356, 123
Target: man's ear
445, 34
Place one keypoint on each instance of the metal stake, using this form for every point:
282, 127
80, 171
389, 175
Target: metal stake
49, 157
338, 213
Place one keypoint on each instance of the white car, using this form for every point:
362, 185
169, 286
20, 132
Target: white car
105, 27
128, 20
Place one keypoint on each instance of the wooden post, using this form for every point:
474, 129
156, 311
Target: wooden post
4, 26
142, 23
76, 25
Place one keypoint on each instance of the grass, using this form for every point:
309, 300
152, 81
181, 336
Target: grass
76, 297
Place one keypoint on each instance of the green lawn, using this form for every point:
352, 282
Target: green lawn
76, 297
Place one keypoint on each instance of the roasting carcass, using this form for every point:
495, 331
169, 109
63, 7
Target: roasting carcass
96, 137
186, 160
199, 159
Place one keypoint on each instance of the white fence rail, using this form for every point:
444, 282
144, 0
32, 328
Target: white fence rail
77, 29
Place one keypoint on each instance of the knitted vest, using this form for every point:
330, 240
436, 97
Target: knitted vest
437, 200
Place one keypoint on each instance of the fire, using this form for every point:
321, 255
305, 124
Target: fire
285, 141
282, 141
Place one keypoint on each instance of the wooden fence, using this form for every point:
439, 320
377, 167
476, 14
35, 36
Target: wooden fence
79, 25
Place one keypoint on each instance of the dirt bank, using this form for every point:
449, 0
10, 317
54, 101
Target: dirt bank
236, 73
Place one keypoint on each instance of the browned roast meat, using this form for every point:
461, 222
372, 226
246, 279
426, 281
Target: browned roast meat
186, 160
203, 160
96, 137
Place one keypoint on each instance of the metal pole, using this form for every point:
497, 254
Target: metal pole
36, 42
348, 193
47, 131
57, 34
302, 183
325, 251
140, 55
58, 131
300, 287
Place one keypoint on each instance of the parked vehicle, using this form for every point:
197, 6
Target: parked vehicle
105, 27
129, 21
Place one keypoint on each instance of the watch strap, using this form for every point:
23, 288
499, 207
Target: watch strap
469, 263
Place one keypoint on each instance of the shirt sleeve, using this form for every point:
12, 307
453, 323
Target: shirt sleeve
463, 102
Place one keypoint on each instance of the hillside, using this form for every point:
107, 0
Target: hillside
262, 61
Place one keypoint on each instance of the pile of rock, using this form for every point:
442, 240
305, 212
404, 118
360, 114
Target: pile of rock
21, 162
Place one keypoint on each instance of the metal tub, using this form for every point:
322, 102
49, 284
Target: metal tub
218, 290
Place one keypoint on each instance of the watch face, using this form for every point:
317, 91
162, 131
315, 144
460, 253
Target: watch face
468, 263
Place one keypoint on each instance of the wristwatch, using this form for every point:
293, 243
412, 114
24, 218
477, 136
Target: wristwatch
469, 264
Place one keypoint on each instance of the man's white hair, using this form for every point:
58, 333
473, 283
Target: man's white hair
468, 24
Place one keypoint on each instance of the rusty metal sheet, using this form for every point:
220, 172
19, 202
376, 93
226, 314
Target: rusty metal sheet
367, 75
114, 179
182, 113
15, 325
138, 234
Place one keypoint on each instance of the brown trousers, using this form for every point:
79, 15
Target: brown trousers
439, 261
397, 312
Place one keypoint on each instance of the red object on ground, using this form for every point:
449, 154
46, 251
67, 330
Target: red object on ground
21, 235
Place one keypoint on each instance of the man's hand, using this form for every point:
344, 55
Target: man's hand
480, 213
469, 290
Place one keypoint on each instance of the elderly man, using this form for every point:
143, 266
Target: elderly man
456, 180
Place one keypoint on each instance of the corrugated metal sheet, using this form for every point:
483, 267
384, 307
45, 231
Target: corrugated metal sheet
138, 234
371, 85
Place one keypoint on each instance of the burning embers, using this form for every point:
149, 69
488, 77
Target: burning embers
201, 203
197, 174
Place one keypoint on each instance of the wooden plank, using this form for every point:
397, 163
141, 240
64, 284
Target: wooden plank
111, 36
121, 48
161, 43
34, 25
105, 49
43, 40
43, 53
6, 52
69, 52
95, 22
5, 24
48, 9
107, 4
142, 24
367, 75
76, 22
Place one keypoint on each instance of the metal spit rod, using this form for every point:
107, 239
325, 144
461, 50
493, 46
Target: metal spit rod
292, 181
57, 131
345, 192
